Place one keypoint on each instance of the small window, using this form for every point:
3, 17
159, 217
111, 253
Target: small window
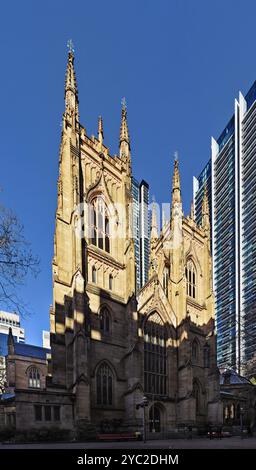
34, 378
93, 274
48, 413
110, 282
38, 412
56, 413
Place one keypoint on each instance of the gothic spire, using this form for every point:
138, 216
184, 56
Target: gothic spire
100, 130
205, 211
124, 142
10, 342
71, 91
176, 192
70, 72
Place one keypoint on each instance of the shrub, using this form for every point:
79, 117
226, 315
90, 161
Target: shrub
43, 435
7, 433
85, 431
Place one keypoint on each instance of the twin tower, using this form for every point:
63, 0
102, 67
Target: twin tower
111, 347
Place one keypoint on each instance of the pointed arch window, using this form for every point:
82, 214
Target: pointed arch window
165, 280
195, 351
110, 282
104, 385
191, 279
94, 275
99, 224
155, 361
34, 378
105, 320
207, 355
196, 394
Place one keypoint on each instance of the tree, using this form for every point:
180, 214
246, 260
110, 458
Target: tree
16, 261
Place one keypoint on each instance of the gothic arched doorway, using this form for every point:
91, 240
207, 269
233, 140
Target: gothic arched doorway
155, 419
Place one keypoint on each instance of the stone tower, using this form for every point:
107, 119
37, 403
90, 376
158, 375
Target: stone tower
94, 309
176, 308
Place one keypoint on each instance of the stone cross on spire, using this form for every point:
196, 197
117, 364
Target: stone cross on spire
70, 46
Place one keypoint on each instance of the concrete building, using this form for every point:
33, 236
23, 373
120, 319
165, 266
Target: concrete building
11, 320
46, 340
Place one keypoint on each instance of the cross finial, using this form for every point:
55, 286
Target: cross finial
176, 155
70, 46
124, 104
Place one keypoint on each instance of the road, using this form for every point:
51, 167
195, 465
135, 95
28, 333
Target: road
176, 444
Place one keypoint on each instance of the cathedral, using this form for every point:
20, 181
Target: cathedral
111, 346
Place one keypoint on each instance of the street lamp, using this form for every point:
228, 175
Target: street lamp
153, 405
143, 405
241, 420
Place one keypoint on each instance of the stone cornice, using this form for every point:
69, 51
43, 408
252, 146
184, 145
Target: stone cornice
194, 303
100, 291
104, 257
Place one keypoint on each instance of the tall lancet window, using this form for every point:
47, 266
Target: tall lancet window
104, 385
165, 280
191, 279
99, 224
155, 370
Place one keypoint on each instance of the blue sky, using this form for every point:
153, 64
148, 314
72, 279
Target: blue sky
180, 64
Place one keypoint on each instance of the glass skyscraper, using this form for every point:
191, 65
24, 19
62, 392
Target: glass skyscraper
140, 217
230, 177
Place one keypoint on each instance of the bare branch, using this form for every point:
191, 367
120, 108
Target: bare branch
16, 261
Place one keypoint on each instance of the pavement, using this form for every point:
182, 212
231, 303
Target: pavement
234, 442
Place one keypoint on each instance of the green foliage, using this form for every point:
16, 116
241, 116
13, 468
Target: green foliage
53, 434
85, 431
7, 433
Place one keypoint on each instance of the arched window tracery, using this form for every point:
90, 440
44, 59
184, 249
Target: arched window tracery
34, 378
99, 224
190, 273
104, 385
155, 360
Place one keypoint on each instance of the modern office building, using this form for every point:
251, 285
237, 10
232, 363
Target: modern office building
12, 320
144, 232
46, 339
140, 192
230, 177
